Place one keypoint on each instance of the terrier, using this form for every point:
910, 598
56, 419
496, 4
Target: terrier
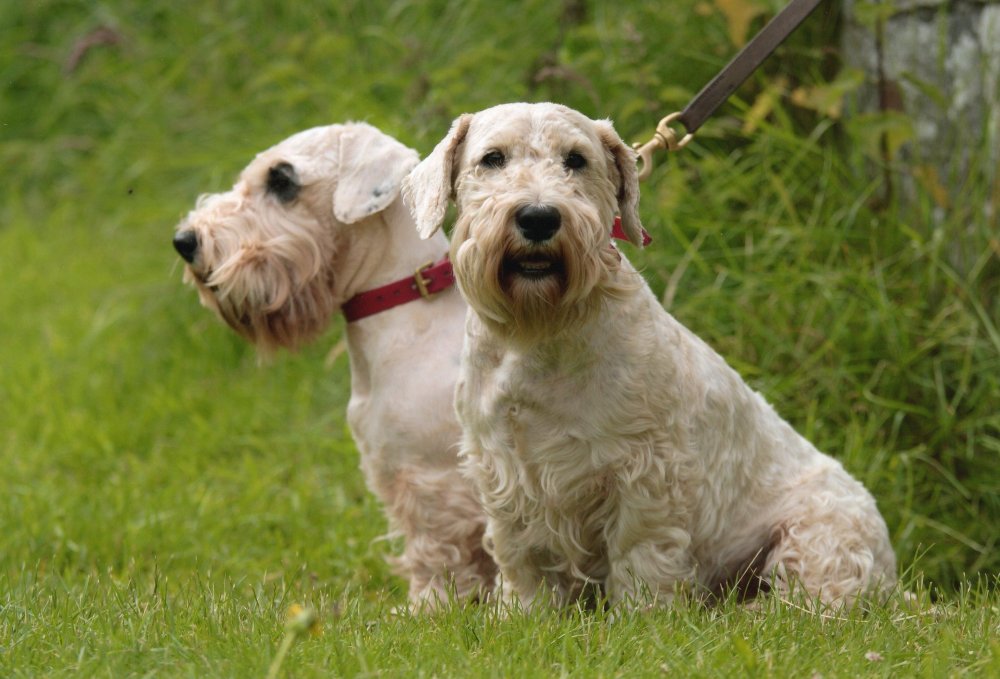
315, 225
609, 444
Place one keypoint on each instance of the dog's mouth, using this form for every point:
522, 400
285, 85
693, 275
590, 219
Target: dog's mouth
202, 278
533, 267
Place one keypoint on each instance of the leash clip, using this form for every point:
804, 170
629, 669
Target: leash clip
663, 138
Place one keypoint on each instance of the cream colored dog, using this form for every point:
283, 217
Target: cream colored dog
311, 223
609, 444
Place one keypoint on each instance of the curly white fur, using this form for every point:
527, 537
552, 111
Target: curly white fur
610, 445
276, 261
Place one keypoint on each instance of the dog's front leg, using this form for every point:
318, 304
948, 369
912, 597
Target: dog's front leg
521, 580
648, 563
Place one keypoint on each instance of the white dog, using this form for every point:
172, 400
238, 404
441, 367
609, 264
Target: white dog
611, 445
314, 225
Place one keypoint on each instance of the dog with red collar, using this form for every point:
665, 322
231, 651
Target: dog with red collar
315, 226
610, 445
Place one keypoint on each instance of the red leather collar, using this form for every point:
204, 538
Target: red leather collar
619, 233
424, 282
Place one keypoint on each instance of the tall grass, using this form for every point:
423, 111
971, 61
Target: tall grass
165, 497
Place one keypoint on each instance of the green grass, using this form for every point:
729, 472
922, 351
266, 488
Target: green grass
106, 626
165, 498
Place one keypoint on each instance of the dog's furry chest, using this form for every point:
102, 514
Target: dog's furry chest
531, 405
543, 469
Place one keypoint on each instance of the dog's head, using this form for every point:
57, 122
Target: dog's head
264, 254
537, 187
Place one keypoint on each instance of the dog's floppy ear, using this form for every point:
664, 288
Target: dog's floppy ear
427, 190
372, 168
624, 160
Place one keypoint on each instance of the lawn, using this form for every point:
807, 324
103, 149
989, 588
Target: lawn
166, 497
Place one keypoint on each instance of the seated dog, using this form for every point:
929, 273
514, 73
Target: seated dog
609, 444
315, 225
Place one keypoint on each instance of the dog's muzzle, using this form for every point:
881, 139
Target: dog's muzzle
186, 244
538, 223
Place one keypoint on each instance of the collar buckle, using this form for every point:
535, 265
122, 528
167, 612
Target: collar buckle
420, 282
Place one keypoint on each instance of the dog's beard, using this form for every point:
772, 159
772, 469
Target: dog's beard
272, 314
276, 290
528, 291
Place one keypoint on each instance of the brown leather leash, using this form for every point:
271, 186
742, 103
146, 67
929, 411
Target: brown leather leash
724, 84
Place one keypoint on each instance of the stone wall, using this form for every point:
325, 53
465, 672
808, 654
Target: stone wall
939, 63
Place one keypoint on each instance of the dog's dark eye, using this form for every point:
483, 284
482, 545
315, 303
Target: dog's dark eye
493, 159
574, 161
283, 183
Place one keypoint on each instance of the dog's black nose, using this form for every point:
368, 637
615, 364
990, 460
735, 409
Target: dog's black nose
186, 244
538, 223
